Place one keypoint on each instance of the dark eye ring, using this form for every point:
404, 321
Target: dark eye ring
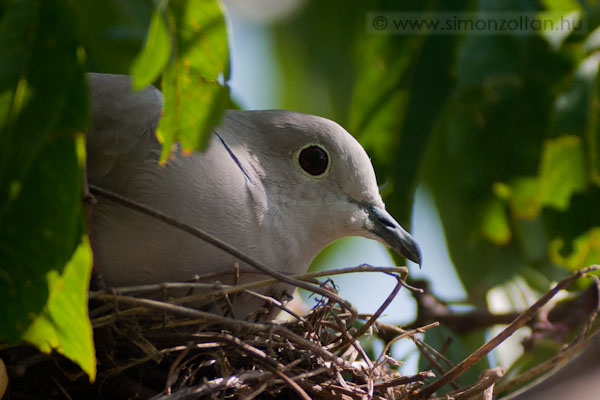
314, 160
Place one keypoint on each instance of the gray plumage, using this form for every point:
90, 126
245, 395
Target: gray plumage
248, 189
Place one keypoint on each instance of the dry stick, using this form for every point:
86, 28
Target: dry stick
255, 392
106, 319
277, 304
521, 320
487, 379
292, 384
236, 342
488, 394
352, 340
200, 390
382, 308
162, 286
174, 370
217, 319
590, 321
220, 244
434, 364
547, 365
402, 335
343, 346
403, 271
437, 354
227, 289
403, 380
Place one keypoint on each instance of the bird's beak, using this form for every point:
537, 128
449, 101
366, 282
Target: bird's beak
385, 227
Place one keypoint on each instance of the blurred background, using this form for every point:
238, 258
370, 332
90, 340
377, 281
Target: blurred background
483, 131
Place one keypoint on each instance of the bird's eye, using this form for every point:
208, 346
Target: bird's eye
314, 160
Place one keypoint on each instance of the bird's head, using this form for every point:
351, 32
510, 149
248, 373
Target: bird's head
312, 167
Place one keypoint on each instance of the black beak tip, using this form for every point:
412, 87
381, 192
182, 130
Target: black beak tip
393, 235
413, 253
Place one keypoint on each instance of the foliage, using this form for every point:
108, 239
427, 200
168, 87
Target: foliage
501, 128
47, 45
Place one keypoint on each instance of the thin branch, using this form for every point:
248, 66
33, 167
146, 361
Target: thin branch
217, 319
141, 208
518, 323
561, 358
309, 277
487, 379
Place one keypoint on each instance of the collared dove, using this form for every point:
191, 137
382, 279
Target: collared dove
277, 185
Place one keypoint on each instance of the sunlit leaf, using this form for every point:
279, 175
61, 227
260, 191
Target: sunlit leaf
586, 250
148, 65
523, 197
562, 171
194, 99
63, 325
558, 23
495, 225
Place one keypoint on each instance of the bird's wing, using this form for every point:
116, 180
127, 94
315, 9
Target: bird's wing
208, 190
122, 131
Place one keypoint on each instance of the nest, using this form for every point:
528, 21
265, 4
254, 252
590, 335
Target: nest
148, 348
155, 349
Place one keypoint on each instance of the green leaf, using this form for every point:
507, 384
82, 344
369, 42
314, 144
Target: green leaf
523, 196
113, 32
155, 54
593, 128
586, 250
565, 17
495, 225
574, 107
63, 325
190, 111
45, 108
202, 38
194, 100
562, 171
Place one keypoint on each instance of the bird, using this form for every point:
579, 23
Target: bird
277, 185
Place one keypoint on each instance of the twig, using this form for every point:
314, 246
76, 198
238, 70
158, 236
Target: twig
559, 359
402, 335
433, 356
309, 277
161, 286
134, 205
255, 392
292, 384
403, 380
217, 319
277, 304
174, 370
521, 320
382, 308
590, 320
487, 379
